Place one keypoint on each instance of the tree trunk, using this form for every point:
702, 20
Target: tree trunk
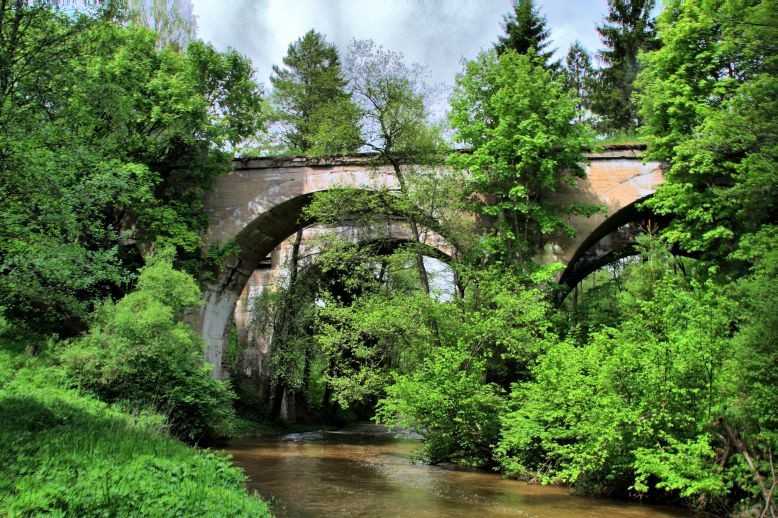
325, 403
295, 259
423, 277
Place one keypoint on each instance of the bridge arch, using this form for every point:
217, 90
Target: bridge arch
255, 348
614, 239
259, 204
257, 207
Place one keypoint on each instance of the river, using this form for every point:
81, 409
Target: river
365, 471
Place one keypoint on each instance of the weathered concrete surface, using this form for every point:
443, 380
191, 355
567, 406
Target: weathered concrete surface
615, 180
258, 186
260, 204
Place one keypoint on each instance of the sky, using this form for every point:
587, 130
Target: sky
435, 33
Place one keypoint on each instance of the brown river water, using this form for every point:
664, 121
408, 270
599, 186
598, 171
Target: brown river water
366, 471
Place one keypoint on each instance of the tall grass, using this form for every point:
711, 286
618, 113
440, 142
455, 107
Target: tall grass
64, 453
620, 139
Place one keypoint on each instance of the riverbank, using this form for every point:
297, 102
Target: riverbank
64, 452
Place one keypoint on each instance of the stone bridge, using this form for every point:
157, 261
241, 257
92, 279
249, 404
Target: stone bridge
260, 204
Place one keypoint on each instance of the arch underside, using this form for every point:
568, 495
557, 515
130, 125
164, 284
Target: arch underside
255, 243
614, 239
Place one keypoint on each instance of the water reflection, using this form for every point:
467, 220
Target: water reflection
364, 471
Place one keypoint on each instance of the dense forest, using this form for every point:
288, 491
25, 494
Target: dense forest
655, 378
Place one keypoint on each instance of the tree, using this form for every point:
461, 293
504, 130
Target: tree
526, 32
579, 75
454, 391
628, 29
137, 135
518, 121
391, 97
311, 103
708, 99
287, 316
173, 21
139, 353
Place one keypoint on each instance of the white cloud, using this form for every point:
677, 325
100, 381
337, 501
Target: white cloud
435, 33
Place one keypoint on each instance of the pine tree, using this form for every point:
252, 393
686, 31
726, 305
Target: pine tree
579, 74
526, 30
311, 104
627, 30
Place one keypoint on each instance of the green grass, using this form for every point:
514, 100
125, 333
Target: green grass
620, 139
64, 453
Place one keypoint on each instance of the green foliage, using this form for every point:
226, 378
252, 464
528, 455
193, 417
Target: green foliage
67, 454
173, 21
669, 386
447, 400
287, 315
107, 143
526, 32
368, 320
628, 30
519, 121
454, 392
579, 76
655, 378
391, 97
708, 98
378, 334
138, 352
310, 100
687, 467
755, 342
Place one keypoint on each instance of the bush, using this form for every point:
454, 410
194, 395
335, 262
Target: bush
139, 353
448, 402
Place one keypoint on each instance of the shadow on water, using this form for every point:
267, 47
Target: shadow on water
365, 471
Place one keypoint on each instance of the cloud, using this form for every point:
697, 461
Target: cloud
434, 33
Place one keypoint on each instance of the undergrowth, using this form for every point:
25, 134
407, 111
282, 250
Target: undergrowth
64, 453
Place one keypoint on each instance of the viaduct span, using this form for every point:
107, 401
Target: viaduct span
260, 203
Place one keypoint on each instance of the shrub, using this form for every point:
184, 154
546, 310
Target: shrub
139, 353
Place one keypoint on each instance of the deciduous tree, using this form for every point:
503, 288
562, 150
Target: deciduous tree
173, 21
709, 98
520, 123
107, 143
395, 124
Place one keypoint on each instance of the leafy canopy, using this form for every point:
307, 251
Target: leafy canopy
310, 100
107, 143
709, 100
139, 353
520, 123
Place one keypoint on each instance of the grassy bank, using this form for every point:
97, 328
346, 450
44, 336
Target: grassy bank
65, 453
